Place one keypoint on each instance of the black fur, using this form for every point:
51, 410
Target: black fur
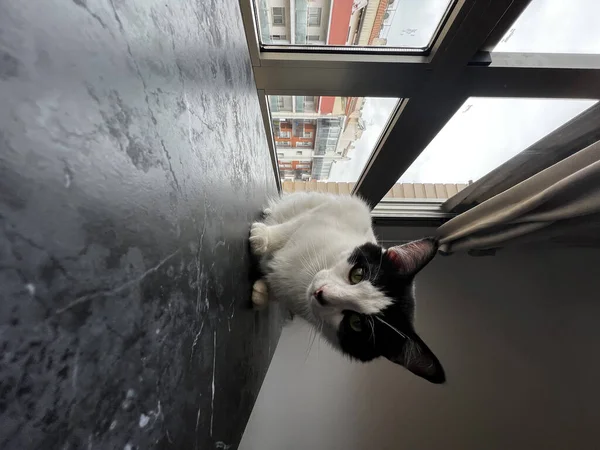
376, 337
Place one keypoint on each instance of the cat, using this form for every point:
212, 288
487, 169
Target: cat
320, 258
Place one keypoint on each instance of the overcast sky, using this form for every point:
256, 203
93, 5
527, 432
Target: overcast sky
484, 132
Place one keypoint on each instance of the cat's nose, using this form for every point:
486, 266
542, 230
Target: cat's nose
320, 297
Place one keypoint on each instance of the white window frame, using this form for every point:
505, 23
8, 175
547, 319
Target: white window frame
457, 65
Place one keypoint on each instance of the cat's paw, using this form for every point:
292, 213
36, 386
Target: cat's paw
259, 238
260, 294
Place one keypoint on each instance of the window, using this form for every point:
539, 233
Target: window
278, 14
278, 37
280, 155
299, 153
410, 24
346, 131
433, 116
486, 132
314, 17
548, 26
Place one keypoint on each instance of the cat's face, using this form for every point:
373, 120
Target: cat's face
366, 304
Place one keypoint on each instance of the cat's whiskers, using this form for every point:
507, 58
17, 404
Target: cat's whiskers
310, 334
309, 262
323, 260
312, 264
317, 257
366, 259
306, 265
314, 332
320, 334
393, 328
380, 263
372, 324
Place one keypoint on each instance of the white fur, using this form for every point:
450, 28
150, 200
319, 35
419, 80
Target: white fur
303, 244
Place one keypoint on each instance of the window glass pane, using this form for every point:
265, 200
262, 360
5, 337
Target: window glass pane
555, 26
486, 132
409, 24
326, 138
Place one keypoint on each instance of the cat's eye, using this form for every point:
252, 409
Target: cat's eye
356, 275
355, 322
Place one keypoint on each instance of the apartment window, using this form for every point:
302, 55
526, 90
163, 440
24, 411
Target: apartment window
303, 144
285, 134
313, 37
299, 153
280, 155
278, 14
314, 17
279, 37
307, 134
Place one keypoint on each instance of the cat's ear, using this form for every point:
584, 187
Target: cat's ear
412, 257
419, 359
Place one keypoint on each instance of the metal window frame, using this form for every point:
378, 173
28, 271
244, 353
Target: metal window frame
432, 85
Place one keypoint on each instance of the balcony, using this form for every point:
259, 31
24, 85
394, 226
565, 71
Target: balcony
301, 22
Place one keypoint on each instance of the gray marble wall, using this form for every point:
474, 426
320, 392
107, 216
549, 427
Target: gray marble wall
132, 160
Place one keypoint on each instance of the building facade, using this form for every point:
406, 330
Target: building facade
312, 133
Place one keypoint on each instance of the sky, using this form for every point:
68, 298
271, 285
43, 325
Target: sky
484, 132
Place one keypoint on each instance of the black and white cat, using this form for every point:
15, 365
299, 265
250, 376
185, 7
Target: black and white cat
321, 259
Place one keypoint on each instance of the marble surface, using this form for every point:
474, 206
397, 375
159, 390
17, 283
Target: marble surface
132, 161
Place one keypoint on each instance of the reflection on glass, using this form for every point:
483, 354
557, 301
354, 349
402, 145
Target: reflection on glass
326, 138
552, 26
486, 132
392, 23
